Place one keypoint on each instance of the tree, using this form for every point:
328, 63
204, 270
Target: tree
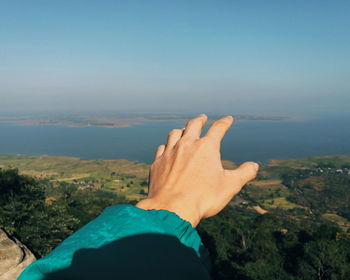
323, 260
24, 214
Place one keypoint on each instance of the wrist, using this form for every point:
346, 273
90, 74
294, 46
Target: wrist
182, 211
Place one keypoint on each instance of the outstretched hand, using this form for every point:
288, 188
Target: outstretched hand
187, 176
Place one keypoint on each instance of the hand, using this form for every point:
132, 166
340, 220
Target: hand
187, 177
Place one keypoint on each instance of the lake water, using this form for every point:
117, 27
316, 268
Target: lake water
256, 141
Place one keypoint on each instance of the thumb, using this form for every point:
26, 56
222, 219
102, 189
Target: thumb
244, 173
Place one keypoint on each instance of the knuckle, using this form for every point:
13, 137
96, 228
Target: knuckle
225, 121
182, 143
192, 121
254, 172
152, 168
176, 131
203, 141
172, 132
216, 124
221, 122
189, 123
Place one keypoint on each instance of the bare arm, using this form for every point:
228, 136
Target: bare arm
187, 176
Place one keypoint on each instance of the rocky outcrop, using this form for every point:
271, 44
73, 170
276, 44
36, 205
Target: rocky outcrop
14, 257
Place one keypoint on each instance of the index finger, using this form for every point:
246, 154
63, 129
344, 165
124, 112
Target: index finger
218, 129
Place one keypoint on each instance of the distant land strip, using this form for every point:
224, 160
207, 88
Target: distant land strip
122, 121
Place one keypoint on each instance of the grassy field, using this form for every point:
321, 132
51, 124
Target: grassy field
310, 162
342, 222
131, 178
279, 202
119, 176
56, 167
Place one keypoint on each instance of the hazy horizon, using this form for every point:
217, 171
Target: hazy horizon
277, 57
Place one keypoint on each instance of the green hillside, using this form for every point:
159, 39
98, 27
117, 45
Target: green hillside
292, 222
119, 176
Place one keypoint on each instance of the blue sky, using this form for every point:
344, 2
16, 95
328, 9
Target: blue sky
213, 56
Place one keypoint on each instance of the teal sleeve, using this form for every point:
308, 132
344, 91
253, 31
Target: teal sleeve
116, 223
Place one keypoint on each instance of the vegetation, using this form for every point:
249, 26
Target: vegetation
116, 176
246, 245
293, 222
42, 222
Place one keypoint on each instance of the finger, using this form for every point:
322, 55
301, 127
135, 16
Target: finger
173, 137
159, 151
194, 127
244, 173
218, 129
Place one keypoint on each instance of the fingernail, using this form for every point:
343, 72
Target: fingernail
256, 166
203, 115
229, 116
